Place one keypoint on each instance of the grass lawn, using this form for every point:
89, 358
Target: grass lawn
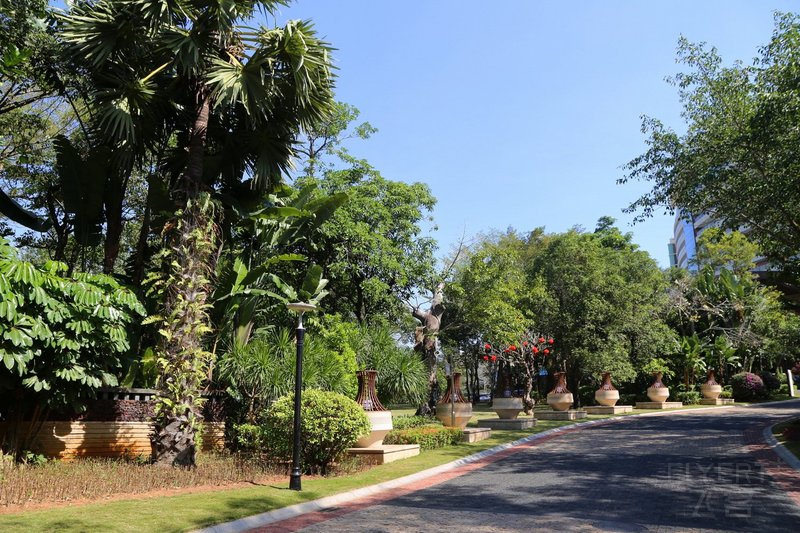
190, 511
792, 446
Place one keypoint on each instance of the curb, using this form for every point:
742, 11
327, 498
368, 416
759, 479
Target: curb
780, 450
321, 504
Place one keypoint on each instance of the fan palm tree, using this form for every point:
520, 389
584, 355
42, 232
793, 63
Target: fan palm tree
230, 100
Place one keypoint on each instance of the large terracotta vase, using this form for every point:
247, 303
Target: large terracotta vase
711, 389
560, 398
657, 392
606, 395
453, 409
379, 417
504, 403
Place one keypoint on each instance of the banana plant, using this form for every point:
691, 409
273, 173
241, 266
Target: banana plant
275, 231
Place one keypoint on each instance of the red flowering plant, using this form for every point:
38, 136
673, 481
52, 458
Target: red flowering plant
519, 363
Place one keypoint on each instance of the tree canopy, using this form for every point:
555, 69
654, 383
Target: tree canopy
737, 159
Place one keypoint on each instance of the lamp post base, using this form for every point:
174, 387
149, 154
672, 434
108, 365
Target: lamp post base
294, 481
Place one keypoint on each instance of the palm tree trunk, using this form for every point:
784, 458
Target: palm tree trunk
184, 359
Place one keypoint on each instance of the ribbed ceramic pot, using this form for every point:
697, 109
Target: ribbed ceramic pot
560, 398
606, 395
507, 408
380, 418
457, 413
711, 389
657, 392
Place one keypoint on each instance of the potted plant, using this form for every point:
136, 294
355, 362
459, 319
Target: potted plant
505, 404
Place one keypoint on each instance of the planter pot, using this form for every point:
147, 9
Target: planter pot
606, 395
507, 408
560, 398
459, 416
380, 418
457, 413
657, 392
711, 389
381, 422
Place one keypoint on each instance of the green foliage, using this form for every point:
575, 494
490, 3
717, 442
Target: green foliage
688, 397
736, 158
413, 421
372, 248
428, 437
262, 370
747, 387
402, 377
61, 337
248, 438
658, 364
731, 250
330, 423
603, 300
771, 383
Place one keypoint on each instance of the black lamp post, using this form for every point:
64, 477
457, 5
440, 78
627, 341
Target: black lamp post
300, 308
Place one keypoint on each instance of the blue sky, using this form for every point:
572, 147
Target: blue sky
521, 113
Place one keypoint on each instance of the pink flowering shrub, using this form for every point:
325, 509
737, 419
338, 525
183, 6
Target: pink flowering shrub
747, 387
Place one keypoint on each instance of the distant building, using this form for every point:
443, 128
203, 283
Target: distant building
687, 230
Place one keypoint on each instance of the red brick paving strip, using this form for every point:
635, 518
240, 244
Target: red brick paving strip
786, 477
315, 517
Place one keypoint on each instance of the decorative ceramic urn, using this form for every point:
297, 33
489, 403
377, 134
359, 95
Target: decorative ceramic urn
504, 403
453, 409
606, 395
657, 392
560, 398
380, 418
711, 389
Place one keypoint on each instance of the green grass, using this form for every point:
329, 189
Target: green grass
192, 511
792, 446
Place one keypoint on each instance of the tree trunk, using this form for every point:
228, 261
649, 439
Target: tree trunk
426, 343
183, 359
114, 195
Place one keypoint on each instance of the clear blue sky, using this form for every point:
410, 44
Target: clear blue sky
521, 113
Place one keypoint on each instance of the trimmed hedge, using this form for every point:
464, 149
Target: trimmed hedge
689, 397
428, 437
414, 421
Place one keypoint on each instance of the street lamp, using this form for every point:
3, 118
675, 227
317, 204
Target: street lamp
299, 308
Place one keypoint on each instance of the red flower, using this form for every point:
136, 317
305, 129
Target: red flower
535, 349
524, 343
541, 339
487, 347
550, 341
512, 348
485, 357
546, 351
494, 358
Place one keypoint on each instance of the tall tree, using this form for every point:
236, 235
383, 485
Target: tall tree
233, 100
738, 158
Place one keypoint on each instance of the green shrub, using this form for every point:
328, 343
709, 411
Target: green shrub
428, 437
771, 383
409, 422
747, 387
727, 392
330, 423
248, 438
688, 397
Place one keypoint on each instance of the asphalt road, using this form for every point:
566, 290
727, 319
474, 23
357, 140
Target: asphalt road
704, 471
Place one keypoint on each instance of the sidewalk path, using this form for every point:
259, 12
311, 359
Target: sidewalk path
708, 470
